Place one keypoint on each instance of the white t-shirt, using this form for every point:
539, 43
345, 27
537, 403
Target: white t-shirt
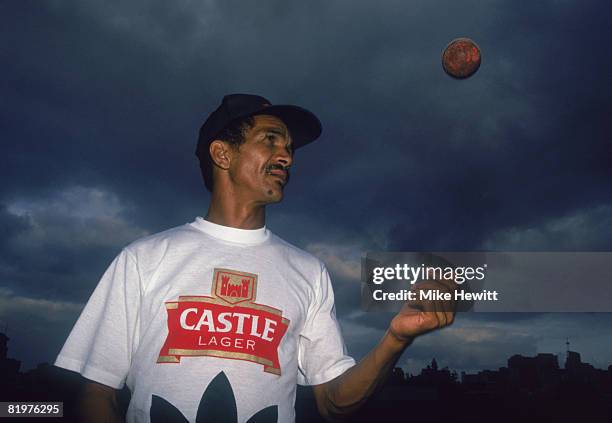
203, 302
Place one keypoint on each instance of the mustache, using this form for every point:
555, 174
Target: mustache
277, 166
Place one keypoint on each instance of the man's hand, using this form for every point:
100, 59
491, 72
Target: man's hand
419, 317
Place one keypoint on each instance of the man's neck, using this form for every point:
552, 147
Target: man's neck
223, 210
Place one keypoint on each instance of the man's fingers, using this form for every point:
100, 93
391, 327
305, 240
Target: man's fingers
433, 316
441, 312
449, 314
447, 308
445, 289
449, 283
433, 306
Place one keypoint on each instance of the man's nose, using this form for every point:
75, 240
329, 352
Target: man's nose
285, 157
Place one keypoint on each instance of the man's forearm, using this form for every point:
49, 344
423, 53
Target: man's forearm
98, 404
349, 391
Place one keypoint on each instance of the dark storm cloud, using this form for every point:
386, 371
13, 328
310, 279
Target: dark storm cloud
101, 103
533, 147
58, 246
121, 90
10, 225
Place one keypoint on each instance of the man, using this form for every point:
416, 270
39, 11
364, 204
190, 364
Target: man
219, 319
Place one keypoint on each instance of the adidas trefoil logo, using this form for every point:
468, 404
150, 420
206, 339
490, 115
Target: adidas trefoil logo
217, 405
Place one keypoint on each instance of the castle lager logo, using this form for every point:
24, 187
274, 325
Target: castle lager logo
230, 324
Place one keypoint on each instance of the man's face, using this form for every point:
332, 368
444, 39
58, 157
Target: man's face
259, 168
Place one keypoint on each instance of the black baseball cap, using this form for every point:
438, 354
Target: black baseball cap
303, 125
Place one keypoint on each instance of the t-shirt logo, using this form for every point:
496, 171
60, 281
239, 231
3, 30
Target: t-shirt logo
234, 287
230, 324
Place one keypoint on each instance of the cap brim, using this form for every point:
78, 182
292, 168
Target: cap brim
303, 125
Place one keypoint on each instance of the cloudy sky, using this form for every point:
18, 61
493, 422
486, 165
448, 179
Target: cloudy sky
101, 103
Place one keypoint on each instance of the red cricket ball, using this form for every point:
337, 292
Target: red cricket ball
461, 58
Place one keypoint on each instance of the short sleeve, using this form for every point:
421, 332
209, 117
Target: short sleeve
322, 353
101, 343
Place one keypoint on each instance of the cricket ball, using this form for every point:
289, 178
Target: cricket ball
461, 58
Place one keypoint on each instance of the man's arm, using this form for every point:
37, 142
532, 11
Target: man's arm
349, 391
98, 404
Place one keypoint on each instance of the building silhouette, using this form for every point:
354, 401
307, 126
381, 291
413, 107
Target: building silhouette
526, 389
9, 367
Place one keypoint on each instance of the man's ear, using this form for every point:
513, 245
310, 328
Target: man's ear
220, 153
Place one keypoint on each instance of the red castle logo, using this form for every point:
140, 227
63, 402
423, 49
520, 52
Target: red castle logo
230, 289
227, 325
235, 287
